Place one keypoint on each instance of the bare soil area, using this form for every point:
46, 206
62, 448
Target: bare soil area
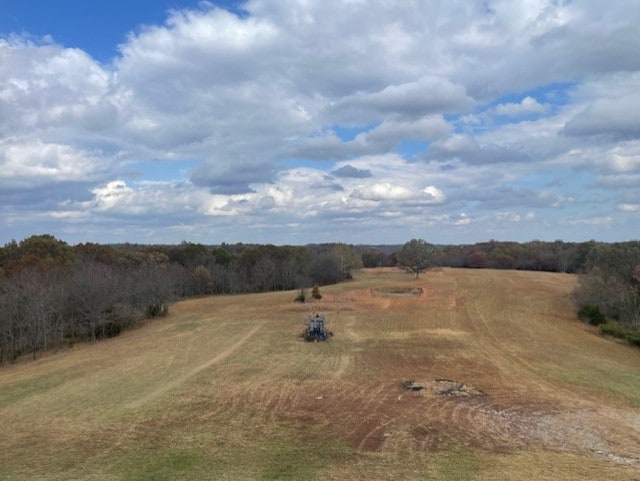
397, 291
460, 374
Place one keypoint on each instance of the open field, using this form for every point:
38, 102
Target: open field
513, 387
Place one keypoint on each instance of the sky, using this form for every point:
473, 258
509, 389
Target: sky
303, 121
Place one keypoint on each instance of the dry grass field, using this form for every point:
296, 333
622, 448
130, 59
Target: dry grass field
509, 386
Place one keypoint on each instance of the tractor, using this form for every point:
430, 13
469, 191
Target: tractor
315, 328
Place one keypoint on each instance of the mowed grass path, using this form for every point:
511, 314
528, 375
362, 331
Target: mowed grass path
223, 389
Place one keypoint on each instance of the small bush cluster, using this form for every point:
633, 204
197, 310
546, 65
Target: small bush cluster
614, 329
591, 314
302, 295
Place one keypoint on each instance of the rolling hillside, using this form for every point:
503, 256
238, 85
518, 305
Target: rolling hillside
507, 385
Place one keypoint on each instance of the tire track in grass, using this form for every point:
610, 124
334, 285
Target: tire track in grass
479, 421
172, 384
368, 438
554, 416
343, 364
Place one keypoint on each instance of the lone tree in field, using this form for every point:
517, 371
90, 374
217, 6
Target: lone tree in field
417, 256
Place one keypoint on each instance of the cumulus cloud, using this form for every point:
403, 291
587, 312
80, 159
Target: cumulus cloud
527, 105
352, 172
508, 217
412, 100
385, 191
249, 99
53, 91
462, 220
617, 117
382, 138
624, 157
466, 149
30, 164
390, 132
231, 178
629, 207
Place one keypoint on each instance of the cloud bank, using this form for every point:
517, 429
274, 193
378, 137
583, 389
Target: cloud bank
364, 122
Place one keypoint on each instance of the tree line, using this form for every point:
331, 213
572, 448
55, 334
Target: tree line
53, 294
608, 292
557, 256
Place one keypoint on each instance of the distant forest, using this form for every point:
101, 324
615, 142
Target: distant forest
53, 294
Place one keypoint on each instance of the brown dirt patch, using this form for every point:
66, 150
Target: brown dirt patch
397, 291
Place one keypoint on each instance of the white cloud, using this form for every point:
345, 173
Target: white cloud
462, 220
618, 117
36, 163
528, 105
391, 132
385, 191
248, 101
624, 157
412, 100
508, 217
435, 194
629, 207
113, 195
48, 89
383, 138
467, 149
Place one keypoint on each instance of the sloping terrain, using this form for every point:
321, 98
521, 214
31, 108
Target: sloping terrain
460, 374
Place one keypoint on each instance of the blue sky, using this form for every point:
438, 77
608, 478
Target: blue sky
319, 121
97, 27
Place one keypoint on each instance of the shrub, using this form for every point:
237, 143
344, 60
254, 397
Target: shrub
112, 329
302, 295
157, 310
613, 329
634, 339
315, 292
121, 316
591, 314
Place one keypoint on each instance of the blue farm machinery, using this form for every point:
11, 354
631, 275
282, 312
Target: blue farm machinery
316, 329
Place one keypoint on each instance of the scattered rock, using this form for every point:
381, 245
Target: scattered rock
412, 386
442, 387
